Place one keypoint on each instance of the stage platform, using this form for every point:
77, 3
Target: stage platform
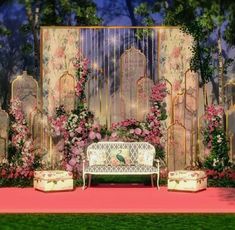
117, 199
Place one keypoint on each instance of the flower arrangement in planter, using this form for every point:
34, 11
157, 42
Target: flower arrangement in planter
22, 159
152, 129
215, 139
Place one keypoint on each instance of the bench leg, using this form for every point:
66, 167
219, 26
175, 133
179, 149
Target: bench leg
158, 181
84, 181
152, 180
89, 184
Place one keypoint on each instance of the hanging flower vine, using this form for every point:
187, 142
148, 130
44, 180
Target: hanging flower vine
78, 128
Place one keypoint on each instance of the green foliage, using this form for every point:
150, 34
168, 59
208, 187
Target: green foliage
160, 153
21, 50
218, 158
202, 20
16, 182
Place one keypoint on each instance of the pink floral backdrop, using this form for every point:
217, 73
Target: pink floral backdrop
59, 47
182, 100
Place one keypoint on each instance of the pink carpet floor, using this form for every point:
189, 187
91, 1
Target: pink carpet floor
117, 199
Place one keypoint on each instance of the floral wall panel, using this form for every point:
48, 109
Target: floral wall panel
4, 125
176, 147
117, 108
144, 86
133, 66
230, 117
37, 130
191, 113
25, 88
174, 58
59, 47
232, 148
67, 91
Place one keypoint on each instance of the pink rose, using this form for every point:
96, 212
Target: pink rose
60, 145
176, 52
72, 162
59, 52
138, 131
69, 168
145, 132
98, 136
92, 135
132, 131
79, 129
113, 134
72, 134
75, 150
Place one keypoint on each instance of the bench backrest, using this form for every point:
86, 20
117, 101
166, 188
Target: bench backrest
139, 152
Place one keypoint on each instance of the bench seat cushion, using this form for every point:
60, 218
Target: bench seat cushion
108, 169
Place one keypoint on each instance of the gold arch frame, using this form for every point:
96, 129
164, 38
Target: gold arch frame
137, 84
126, 52
66, 73
17, 79
168, 146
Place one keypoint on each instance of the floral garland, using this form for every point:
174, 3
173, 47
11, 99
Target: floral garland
81, 65
151, 130
22, 158
215, 139
78, 128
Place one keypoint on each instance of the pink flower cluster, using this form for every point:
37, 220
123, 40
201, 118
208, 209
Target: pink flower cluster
125, 123
214, 116
158, 92
154, 124
94, 133
81, 64
151, 130
19, 127
22, 142
58, 125
77, 130
14, 172
227, 173
213, 121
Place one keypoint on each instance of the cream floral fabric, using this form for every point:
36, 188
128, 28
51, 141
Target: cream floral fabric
144, 157
120, 157
186, 174
97, 157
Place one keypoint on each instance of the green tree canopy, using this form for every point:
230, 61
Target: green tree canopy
208, 22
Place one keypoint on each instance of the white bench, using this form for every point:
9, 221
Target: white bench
120, 158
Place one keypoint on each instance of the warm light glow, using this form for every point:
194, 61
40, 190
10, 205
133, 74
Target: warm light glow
95, 65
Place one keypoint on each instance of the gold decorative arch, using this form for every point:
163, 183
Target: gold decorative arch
4, 128
174, 143
67, 96
25, 87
